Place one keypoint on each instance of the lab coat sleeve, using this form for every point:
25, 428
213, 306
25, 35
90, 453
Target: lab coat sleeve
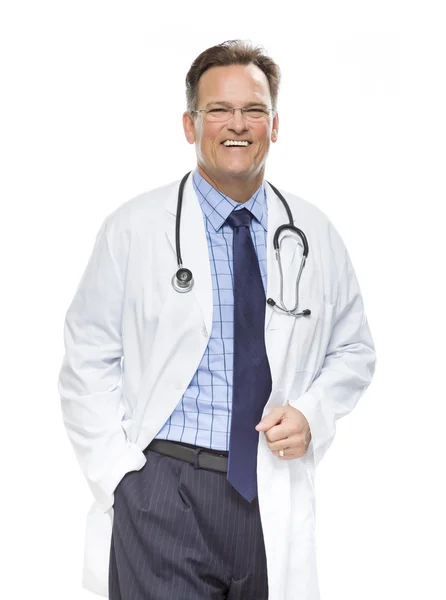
347, 369
89, 380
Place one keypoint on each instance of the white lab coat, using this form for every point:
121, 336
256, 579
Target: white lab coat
125, 306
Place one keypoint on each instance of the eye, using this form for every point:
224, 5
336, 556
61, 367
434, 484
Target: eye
216, 111
255, 111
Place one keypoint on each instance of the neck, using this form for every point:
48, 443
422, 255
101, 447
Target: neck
239, 190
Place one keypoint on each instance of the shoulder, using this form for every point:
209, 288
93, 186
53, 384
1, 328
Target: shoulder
141, 212
144, 204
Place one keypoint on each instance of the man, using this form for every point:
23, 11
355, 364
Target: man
202, 462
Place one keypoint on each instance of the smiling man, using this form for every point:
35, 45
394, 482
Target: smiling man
199, 398
232, 145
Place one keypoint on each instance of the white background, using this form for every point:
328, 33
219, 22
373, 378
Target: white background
91, 105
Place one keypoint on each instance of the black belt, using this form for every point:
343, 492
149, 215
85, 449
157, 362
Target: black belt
201, 458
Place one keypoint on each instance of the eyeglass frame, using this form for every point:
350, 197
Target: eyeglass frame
240, 108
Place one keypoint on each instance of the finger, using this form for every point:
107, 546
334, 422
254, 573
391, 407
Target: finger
275, 416
289, 442
288, 454
279, 432
294, 446
293, 438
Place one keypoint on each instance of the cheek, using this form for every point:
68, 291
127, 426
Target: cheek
209, 140
205, 146
264, 141
265, 135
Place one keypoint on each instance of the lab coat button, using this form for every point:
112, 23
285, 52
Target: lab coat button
205, 331
177, 385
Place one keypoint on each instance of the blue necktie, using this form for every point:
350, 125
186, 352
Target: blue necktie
251, 374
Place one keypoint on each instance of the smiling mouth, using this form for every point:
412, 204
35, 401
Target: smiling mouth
236, 147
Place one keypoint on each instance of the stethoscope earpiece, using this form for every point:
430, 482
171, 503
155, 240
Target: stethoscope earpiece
305, 313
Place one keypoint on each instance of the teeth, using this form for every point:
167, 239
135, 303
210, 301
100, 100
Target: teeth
233, 143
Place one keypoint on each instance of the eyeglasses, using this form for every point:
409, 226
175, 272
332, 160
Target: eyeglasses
219, 115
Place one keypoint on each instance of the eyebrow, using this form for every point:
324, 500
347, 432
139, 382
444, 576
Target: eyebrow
229, 105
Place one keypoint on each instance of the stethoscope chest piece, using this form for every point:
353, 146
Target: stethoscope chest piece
183, 280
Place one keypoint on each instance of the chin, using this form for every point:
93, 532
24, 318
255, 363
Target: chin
235, 169
235, 172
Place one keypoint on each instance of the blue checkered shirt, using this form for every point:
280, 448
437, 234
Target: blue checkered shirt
203, 415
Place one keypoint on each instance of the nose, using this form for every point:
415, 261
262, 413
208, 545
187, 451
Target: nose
237, 122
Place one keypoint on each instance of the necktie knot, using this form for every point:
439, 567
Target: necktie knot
239, 218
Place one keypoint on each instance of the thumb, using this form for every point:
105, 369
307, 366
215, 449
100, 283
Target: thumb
269, 420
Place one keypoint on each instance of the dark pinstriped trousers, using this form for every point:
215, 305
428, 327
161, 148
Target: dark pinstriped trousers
183, 533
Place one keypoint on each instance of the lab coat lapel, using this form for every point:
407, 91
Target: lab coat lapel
193, 244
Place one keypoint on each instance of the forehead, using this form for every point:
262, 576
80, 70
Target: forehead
237, 84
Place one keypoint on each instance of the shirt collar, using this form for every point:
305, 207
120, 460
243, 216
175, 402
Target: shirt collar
217, 206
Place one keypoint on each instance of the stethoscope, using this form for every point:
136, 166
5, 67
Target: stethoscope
183, 280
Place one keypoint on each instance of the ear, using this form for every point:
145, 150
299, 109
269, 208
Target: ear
275, 128
189, 127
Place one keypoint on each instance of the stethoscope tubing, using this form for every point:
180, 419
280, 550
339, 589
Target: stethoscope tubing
182, 281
